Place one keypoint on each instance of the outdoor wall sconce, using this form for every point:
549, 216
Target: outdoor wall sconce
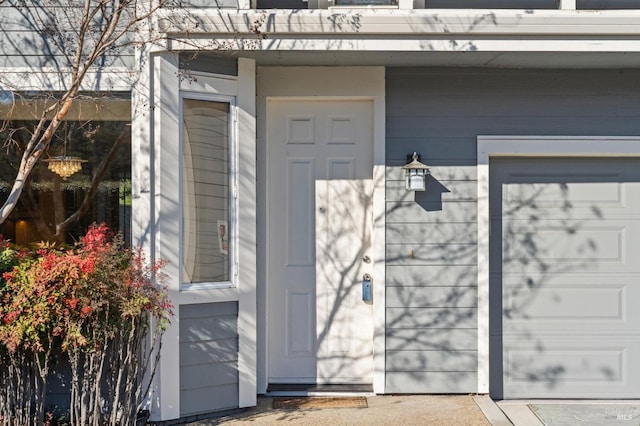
416, 174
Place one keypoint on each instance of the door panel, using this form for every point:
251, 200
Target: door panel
344, 321
565, 236
299, 213
320, 199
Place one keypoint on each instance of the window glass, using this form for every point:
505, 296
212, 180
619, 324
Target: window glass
60, 209
207, 231
366, 2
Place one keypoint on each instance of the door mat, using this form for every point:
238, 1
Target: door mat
587, 414
317, 402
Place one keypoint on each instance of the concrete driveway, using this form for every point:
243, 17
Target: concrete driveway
571, 412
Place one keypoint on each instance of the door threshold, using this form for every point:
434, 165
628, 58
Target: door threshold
311, 390
316, 394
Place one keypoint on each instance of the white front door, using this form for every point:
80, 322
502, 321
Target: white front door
319, 230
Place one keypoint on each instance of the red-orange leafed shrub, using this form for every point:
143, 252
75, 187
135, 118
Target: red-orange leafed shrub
99, 305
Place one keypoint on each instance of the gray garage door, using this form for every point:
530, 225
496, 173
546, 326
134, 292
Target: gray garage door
565, 278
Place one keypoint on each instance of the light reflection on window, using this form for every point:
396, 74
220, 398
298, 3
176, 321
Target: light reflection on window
53, 209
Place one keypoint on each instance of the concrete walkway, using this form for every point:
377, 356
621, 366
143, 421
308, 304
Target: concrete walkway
401, 410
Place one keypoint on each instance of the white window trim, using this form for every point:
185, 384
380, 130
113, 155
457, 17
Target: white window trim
525, 146
233, 187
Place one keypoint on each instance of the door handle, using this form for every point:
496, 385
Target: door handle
367, 295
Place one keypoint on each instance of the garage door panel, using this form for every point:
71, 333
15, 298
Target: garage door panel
583, 199
576, 364
555, 189
551, 246
565, 303
565, 275
574, 303
571, 367
569, 246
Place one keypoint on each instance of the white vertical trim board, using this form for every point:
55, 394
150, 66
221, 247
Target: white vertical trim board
142, 158
525, 146
247, 240
142, 167
166, 98
483, 274
379, 240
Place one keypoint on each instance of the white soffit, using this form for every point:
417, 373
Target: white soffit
428, 37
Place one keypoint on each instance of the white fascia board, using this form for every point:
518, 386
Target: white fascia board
429, 44
56, 79
399, 22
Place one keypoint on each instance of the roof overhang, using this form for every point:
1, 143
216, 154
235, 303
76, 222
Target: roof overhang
498, 38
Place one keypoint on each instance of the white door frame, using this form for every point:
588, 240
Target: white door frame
327, 83
525, 146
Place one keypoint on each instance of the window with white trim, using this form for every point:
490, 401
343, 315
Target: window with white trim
60, 208
208, 202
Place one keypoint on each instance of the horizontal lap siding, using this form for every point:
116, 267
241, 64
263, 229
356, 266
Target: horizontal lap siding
23, 45
208, 357
431, 272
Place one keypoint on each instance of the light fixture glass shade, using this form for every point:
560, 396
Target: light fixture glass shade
416, 174
65, 166
416, 180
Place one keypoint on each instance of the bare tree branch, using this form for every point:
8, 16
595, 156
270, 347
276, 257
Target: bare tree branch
82, 36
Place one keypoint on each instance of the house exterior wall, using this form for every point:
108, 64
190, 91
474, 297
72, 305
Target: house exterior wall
24, 44
431, 288
208, 357
430, 309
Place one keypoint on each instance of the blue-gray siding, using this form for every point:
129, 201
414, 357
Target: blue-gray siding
208, 357
24, 41
431, 314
